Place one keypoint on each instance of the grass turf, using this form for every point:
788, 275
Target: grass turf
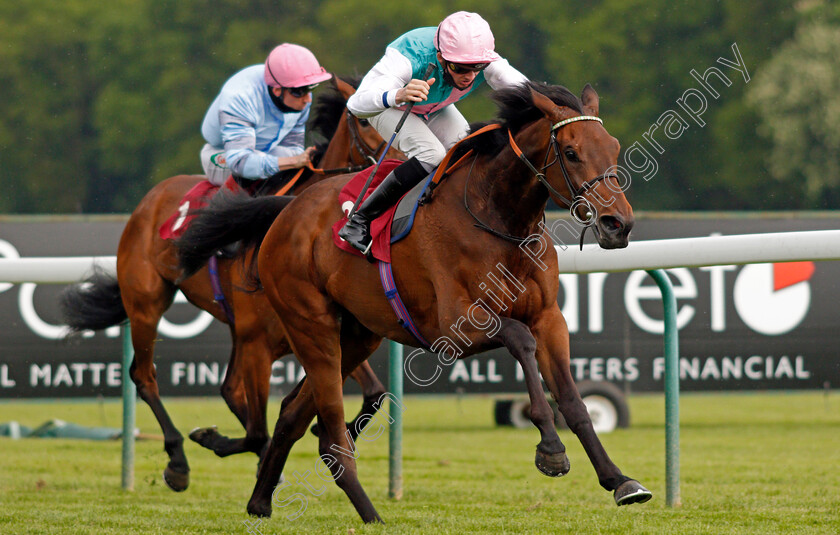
750, 463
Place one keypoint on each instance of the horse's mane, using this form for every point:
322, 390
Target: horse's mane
515, 111
328, 108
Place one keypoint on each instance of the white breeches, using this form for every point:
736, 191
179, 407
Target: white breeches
429, 140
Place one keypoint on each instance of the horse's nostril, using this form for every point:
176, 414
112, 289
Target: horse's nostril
611, 224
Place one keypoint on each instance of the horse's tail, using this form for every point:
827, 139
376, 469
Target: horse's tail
229, 217
94, 304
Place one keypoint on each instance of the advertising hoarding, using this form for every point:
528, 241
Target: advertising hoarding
761, 326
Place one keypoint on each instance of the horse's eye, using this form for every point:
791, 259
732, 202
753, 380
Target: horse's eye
571, 155
364, 123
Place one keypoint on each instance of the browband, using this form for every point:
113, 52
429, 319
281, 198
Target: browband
576, 119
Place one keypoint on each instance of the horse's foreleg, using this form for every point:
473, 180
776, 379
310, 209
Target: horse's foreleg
553, 356
233, 392
551, 456
245, 389
233, 387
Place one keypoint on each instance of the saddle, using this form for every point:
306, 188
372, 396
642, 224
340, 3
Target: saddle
396, 223
393, 225
197, 197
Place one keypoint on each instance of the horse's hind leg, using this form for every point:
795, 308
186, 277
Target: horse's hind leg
297, 411
553, 356
551, 457
318, 346
372, 391
145, 304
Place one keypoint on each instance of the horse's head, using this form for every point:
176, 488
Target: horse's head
354, 139
580, 169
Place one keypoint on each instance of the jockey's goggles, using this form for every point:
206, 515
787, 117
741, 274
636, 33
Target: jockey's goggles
461, 68
298, 92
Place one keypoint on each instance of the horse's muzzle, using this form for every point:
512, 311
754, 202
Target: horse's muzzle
613, 231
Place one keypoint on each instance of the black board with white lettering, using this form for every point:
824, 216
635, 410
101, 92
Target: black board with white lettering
763, 326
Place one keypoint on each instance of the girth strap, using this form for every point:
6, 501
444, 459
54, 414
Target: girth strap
216, 284
386, 275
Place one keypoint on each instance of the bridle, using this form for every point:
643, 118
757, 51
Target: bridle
368, 154
576, 193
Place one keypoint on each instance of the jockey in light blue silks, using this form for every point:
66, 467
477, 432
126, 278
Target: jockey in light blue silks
255, 127
461, 49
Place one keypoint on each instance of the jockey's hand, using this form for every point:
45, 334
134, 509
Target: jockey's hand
296, 162
307, 156
415, 91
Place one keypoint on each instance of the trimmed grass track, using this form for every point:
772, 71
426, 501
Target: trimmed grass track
750, 463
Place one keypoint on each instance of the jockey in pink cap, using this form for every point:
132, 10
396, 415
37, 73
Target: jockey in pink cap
462, 50
255, 127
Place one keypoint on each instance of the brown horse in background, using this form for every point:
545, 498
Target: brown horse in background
483, 221
145, 286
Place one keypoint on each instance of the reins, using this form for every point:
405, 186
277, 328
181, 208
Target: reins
481, 224
367, 153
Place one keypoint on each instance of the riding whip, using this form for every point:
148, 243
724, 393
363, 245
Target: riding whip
429, 70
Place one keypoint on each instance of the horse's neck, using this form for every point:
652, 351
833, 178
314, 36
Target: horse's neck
505, 198
338, 154
339, 151
504, 194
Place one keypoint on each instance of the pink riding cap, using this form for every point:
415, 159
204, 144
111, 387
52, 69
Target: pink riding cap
291, 65
465, 37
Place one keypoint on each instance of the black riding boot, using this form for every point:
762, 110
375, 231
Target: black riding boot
356, 231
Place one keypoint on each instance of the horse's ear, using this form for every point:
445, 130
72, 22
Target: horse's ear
543, 103
590, 100
343, 87
548, 107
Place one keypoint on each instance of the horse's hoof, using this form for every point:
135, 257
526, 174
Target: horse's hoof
204, 435
631, 491
176, 481
552, 464
259, 509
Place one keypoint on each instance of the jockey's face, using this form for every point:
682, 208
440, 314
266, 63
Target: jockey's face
462, 79
296, 103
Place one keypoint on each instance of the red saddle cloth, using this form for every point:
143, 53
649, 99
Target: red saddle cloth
380, 228
197, 197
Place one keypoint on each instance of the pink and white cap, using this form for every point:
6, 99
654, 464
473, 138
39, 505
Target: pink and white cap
291, 65
465, 37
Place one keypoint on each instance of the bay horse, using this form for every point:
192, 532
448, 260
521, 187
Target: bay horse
145, 287
484, 220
